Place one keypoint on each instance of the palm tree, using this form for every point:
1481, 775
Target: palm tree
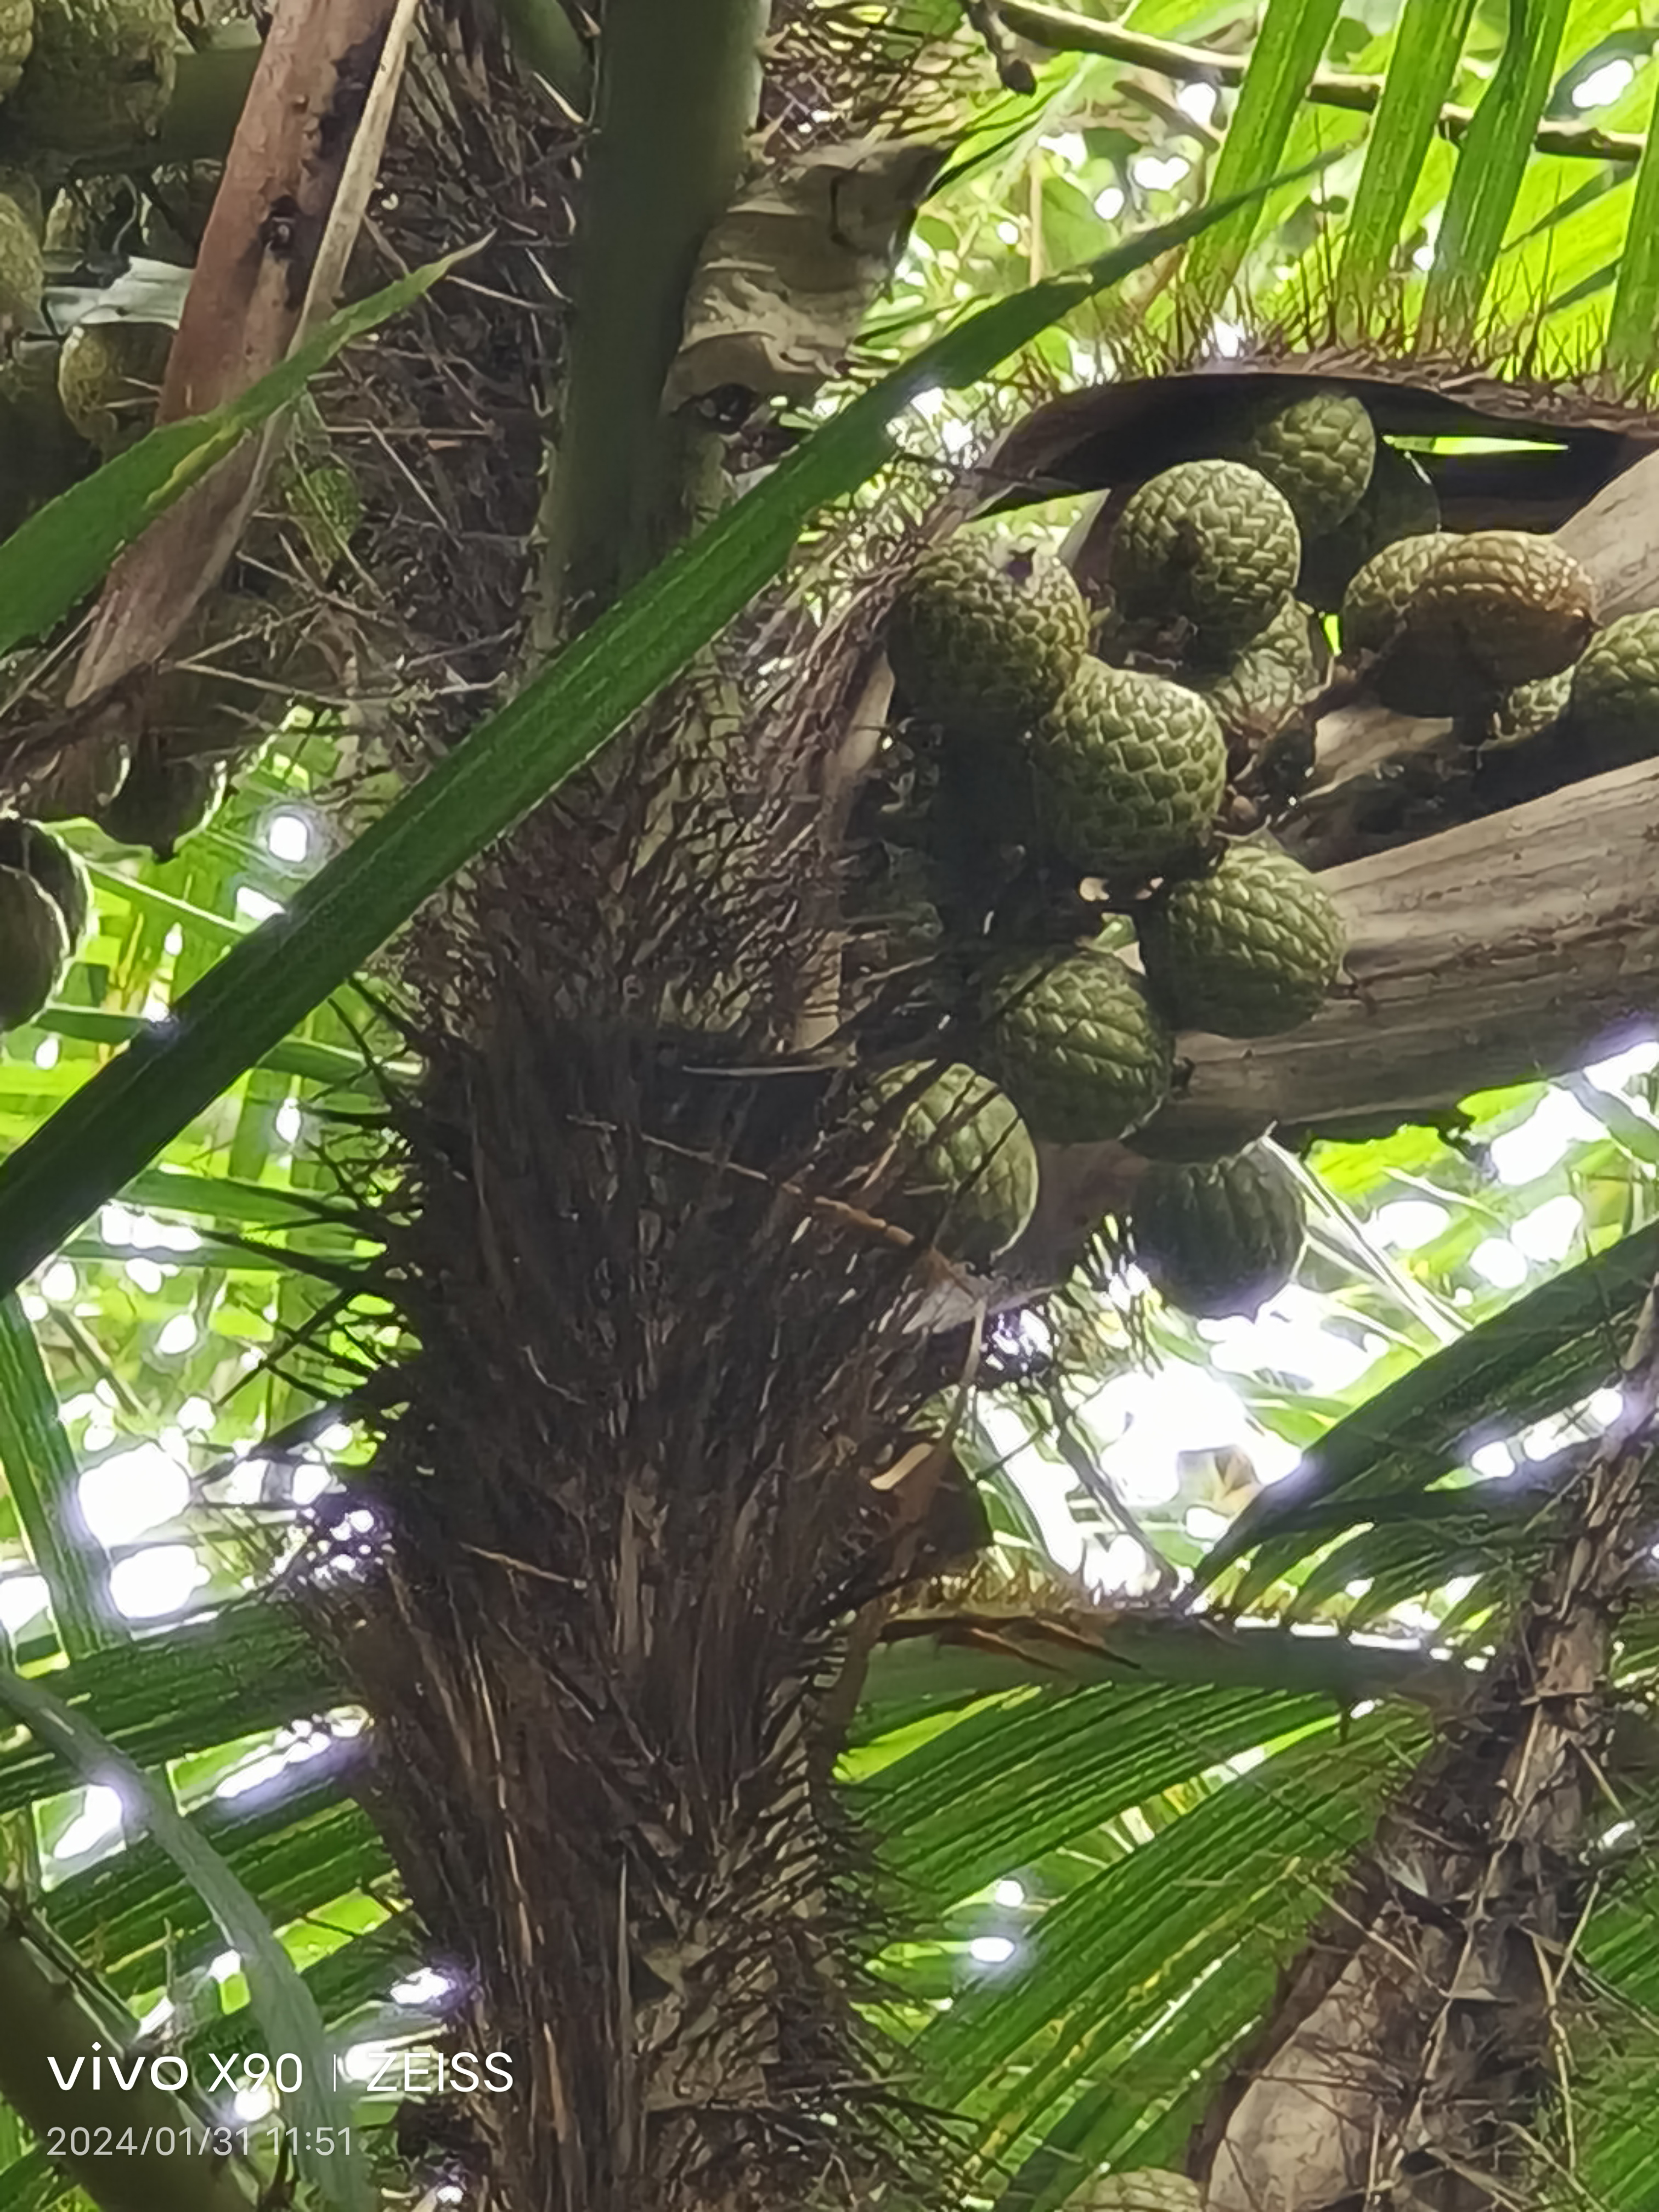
674, 1769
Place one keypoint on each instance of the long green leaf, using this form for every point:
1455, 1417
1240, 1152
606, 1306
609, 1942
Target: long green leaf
58, 554
1107, 1961
1542, 1353
1491, 162
251, 1666
1421, 68
297, 1856
316, 1063
1629, 356
1013, 1780
41, 1474
286, 2010
243, 1007
1287, 52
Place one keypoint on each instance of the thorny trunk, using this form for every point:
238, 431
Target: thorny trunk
1415, 2038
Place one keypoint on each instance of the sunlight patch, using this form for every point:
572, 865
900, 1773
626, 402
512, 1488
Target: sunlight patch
1603, 86
177, 1335
23, 1598
1623, 1068
1496, 1261
288, 836
1550, 1230
1407, 1224
133, 1491
99, 1818
1556, 1124
151, 1583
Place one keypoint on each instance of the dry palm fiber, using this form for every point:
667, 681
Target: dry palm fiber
627, 1505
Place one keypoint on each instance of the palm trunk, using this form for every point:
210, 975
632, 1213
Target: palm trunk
1413, 2042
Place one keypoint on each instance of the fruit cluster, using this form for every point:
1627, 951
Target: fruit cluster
1110, 771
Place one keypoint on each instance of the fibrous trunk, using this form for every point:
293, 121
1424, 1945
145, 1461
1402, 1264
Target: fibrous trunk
1416, 2037
626, 1507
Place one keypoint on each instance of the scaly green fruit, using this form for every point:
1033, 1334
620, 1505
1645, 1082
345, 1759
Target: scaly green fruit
966, 1169
1129, 771
99, 75
1318, 450
1400, 501
16, 37
1529, 710
1373, 606
18, 184
1254, 690
983, 639
1614, 698
1075, 1043
109, 375
51, 864
1498, 608
162, 802
1145, 2189
1250, 950
1222, 1238
22, 269
33, 948
1211, 544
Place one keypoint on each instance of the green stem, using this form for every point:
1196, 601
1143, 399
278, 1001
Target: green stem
678, 89
207, 103
543, 38
1061, 32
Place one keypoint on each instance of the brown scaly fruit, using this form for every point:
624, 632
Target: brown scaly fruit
1221, 1238
1251, 949
109, 375
98, 78
961, 1168
51, 864
1075, 1043
1498, 608
163, 802
33, 947
1211, 544
983, 639
1400, 501
1318, 449
1129, 770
